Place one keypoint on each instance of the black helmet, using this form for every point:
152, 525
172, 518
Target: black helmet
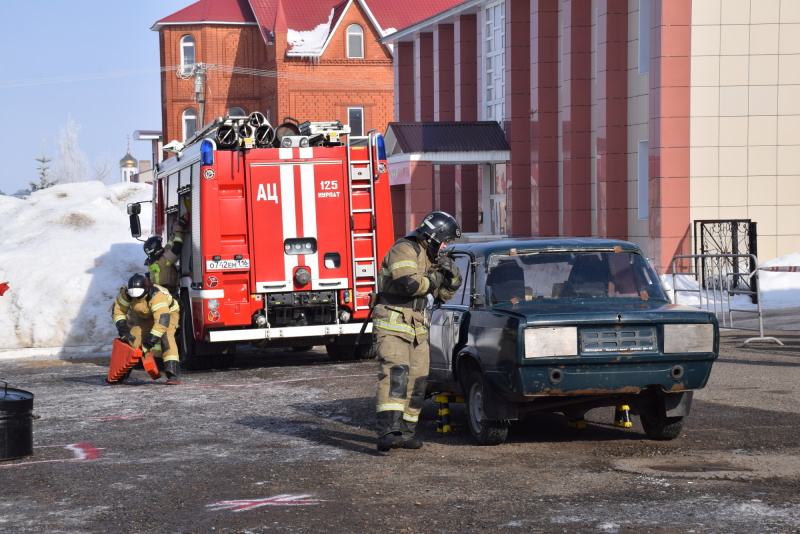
138, 286
152, 247
437, 227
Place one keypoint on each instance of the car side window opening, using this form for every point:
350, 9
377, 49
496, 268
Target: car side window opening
517, 278
464, 293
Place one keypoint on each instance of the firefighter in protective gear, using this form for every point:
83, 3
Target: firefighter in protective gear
148, 315
161, 260
411, 271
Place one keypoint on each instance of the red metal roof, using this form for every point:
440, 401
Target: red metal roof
308, 14
304, 15
234, 11
399, 15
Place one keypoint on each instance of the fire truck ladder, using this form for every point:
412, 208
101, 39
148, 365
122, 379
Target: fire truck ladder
363, 240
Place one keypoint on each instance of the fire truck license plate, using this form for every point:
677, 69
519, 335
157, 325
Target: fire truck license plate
223, 265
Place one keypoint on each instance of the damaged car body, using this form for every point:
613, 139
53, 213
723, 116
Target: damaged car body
567, 325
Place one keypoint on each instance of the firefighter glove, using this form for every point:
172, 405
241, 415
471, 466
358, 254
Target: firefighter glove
150, 341
448, 265
183, 222
453, 282
122, 328
435, 277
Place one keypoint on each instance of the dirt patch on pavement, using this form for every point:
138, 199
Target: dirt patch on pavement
725, 466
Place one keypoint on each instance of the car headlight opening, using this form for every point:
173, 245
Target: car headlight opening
692, 338
547, 342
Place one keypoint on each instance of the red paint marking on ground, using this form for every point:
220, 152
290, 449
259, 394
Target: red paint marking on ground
82, 451
277, 500
264, 383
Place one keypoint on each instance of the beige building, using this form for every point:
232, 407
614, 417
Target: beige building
745, 117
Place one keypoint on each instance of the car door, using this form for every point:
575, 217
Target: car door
445, 323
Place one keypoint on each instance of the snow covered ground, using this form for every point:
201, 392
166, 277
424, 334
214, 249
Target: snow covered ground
66, 251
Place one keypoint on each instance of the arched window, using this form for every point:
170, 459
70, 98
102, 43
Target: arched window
187, 54
355, 41
236, 111
189, 123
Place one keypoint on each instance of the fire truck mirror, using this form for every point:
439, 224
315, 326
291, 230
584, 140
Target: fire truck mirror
136, 226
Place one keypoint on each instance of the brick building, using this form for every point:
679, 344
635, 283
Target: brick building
632, 119
314, 60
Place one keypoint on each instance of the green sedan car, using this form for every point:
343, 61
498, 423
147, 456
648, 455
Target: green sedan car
567, 325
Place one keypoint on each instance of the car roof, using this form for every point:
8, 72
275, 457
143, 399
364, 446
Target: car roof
548, 244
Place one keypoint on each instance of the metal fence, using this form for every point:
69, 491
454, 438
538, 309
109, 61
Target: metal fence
717, 279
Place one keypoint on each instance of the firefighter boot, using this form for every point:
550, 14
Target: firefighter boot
173, 370
409, 441
389, 432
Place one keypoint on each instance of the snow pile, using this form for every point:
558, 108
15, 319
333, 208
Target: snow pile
65, 252
309, 43
778, 289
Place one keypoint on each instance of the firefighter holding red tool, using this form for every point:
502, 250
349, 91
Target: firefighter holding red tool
411, 270
148, 314
161, 260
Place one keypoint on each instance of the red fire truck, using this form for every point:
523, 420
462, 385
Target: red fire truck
288, 227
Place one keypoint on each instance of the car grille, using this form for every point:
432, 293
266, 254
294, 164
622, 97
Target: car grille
626, 339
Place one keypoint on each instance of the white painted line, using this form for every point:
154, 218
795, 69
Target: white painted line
277, 500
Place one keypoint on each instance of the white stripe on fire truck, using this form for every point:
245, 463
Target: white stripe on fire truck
309, 200
307, 153
285, 153
289, 217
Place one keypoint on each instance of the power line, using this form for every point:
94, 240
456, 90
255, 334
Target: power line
306, 78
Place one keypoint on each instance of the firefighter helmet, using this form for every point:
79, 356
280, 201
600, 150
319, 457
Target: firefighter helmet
436, 228
152, 247
138, 286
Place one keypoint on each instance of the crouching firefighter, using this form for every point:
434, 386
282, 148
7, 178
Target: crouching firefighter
148, 315
411, 271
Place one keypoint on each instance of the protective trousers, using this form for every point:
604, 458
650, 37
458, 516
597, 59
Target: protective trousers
402, 379
167, 349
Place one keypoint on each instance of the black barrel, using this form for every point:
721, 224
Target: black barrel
16, 427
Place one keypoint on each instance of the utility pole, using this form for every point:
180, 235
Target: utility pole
200, 93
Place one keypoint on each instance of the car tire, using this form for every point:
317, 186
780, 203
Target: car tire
657, 426
485, 431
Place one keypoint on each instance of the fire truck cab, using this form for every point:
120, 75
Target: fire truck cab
287, 229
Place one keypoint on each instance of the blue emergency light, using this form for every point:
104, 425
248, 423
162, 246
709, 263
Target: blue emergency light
381, 147
207, 148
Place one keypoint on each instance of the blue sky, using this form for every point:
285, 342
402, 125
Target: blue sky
94, 60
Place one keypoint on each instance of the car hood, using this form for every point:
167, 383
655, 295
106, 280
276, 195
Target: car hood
583, 311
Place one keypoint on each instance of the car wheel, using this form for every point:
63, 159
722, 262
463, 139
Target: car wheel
658, 426
485, 431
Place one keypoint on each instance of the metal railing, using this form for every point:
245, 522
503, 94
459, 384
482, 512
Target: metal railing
720, 285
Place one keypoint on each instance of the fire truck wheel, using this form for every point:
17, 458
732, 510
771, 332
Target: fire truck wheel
340, 352
192, 356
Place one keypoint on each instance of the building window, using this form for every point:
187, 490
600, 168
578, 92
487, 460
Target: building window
643, 177
355, 118
189, 123
494, 47
644, 36
355, 41
187, 54
236, 111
